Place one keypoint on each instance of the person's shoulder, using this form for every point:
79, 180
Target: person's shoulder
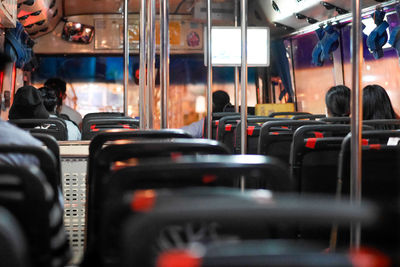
11, 134
68, 110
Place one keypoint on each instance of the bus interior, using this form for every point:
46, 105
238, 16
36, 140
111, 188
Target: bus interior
279, 182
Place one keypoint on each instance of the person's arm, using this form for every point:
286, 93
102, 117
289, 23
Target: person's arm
195, 129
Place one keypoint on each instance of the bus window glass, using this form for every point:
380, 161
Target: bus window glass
95, 84
312, 82
383, 71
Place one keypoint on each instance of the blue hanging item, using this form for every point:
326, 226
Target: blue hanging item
394, 39
317, 58
18, 45
378, 37
330, 42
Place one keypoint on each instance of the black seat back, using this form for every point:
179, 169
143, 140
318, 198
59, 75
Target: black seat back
216, 117
392, 124
51, 143
52, 126
314, 157
287, 114
336, 120
93, 126
152, 148
309, 117
276, 137
13, 243
102, 138
217, 216
271, 253
187, 171
380, 183
102, 115
47, 161
28, 196
253, 132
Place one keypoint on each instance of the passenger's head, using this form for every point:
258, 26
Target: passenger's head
60, 86
376, 103
220, 100
28, 104
50, 98
337, 101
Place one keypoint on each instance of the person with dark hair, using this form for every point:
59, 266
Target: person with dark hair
377, 104
50, 101
28, 104
337, 101
220, 101
61, 88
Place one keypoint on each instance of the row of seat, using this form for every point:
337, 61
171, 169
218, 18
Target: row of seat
92, 124
111, 181
317, 152
130, 225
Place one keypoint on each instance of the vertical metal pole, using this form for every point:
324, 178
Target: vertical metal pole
126, 58
243, 104
164, 61
209, 72
236, 103
142, 67
356, 119
150, 62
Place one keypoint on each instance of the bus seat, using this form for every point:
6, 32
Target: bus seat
47, 162
13, 243
93, 126
107, 136
216, 116
287, 114
380, 183
186, 171
388, 124
309, 117
27, 194
51, 143
52, 126
218, 216
336, 120
271, 253
314, 163
103, 115
101, 165
253, 132
276, 137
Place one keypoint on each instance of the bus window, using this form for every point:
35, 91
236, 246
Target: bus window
312, 82
383, 72
95, 84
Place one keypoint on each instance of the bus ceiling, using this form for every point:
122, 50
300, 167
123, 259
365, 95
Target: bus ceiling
284, 17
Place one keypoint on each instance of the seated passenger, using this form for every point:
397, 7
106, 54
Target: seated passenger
221, 101
377, 104
12, 135
50, 101
61, 88
28, 104
337, 101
